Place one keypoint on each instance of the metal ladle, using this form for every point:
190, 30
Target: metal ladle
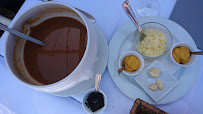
12, 31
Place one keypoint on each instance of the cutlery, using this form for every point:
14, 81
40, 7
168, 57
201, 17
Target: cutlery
197, 53
12, 31
127, 8
97, 81
122, 68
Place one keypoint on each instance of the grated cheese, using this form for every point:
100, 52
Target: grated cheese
154, 43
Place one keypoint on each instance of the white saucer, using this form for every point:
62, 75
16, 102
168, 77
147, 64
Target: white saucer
122, 41
99, 67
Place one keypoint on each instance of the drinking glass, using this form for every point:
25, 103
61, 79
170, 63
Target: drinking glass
148, 8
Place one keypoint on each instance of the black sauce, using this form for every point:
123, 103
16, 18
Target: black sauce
95, 101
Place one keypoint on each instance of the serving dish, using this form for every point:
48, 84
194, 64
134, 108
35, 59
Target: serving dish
123, 41
140, 58
155, 26
168, 80
193, 57
88, 109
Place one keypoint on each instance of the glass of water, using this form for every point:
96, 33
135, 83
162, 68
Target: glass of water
148, 8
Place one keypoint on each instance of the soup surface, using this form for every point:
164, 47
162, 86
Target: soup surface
65, 39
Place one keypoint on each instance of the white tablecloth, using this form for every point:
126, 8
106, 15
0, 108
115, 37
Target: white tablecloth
18, 98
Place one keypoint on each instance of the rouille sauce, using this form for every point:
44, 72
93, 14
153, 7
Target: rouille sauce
65, 39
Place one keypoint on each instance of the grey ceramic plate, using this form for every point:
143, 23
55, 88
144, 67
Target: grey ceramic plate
122, 41
99, 67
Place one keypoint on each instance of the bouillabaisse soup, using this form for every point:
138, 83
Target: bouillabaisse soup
66, 40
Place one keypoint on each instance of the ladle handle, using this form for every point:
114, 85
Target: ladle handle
127, 8
97, 81
2, 27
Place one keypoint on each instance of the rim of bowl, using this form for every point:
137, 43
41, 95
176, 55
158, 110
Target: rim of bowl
141, 63
165, 52
81, 61
85, 96
182, 44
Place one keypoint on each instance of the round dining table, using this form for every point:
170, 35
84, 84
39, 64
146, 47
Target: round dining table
16, 98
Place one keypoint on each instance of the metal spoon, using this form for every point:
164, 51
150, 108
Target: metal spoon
122, 68
197, 53
97, 81
4, 28
127, 8
90, 17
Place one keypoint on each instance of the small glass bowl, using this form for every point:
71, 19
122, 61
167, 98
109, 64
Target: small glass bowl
154, 25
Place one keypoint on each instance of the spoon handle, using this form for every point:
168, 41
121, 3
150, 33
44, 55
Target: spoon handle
197, 53
97, 81
127, 8
2, 27
90, 17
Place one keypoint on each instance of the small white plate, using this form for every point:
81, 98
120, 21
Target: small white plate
168, 81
